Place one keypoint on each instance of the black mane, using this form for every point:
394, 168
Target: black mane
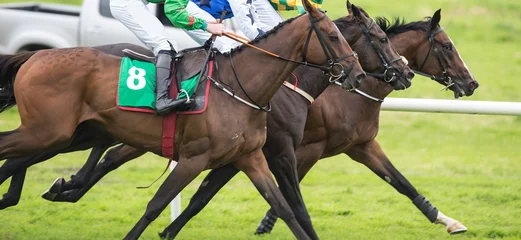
263, 36
399, 25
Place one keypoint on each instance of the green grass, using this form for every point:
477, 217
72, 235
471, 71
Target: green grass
466, 165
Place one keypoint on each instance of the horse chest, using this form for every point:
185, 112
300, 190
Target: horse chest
343, 136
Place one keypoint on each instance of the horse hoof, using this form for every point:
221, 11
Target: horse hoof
456, 228
54, 190
262, 232
7, 202
163, 235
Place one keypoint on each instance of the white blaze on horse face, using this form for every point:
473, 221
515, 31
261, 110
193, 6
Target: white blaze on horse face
461, 59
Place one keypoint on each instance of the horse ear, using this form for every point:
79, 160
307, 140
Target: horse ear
311, 9
349, 5
435, 20
356, 11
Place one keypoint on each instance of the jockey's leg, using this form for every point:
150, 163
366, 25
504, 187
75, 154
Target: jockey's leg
246, 18
144, 24
135, 15
267, 15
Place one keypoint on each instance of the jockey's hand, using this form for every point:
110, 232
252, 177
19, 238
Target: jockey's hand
216, 28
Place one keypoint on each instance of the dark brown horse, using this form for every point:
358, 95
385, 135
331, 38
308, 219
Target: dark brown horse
359, 29
345, 123
57, 90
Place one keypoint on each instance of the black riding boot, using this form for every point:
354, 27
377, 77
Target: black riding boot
164, 104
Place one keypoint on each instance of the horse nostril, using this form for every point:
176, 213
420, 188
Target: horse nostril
410, 76
473, 85
360, 77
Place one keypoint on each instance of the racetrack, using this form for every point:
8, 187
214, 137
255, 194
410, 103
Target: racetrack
466, 165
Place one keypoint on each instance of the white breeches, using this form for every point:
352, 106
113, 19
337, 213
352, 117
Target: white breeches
254, 17
144, 24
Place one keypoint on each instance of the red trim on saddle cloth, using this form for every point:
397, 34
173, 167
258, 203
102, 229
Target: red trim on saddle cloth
296, 81
132, 109
169, 121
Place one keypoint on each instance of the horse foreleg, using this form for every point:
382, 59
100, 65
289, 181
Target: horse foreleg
113, 159
371, 155
185, 171
211, 184
256, 168
307, 157
283, 164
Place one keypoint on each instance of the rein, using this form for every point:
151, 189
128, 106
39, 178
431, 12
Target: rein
378, 100
333, 61
446, 78
386, 63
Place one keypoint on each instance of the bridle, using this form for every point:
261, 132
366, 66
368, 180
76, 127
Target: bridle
332, 59
390, 73
446, 78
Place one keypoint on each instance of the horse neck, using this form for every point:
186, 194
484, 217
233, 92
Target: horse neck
407, 44
260, 74
311, 80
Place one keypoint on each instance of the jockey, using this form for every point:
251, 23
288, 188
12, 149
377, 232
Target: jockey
135, 16
254, 17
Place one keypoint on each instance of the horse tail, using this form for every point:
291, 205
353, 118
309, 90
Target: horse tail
9, 66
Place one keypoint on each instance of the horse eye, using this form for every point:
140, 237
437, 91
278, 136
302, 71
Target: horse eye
447, 47
333, 38
383, 40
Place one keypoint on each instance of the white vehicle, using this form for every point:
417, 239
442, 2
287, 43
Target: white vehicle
36, 26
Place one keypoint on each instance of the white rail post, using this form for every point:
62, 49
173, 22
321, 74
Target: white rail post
175, 205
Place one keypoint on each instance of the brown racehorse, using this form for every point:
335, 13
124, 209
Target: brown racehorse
56, 90
346, 123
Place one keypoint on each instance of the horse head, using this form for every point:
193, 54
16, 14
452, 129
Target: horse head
327, 45
439, 60
378, 58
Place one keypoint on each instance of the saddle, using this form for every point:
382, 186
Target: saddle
187, 64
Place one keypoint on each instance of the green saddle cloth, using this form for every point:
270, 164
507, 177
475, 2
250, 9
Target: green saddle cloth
137, 84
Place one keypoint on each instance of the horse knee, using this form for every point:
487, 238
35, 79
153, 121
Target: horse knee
196, 206
152, 212
284, 214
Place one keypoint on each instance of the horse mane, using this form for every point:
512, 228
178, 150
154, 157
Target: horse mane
398, 25
263, 36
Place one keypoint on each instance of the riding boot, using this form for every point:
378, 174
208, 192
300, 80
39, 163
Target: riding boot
165, 104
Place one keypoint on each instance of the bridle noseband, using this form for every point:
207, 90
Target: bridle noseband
446, 78
390, 73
